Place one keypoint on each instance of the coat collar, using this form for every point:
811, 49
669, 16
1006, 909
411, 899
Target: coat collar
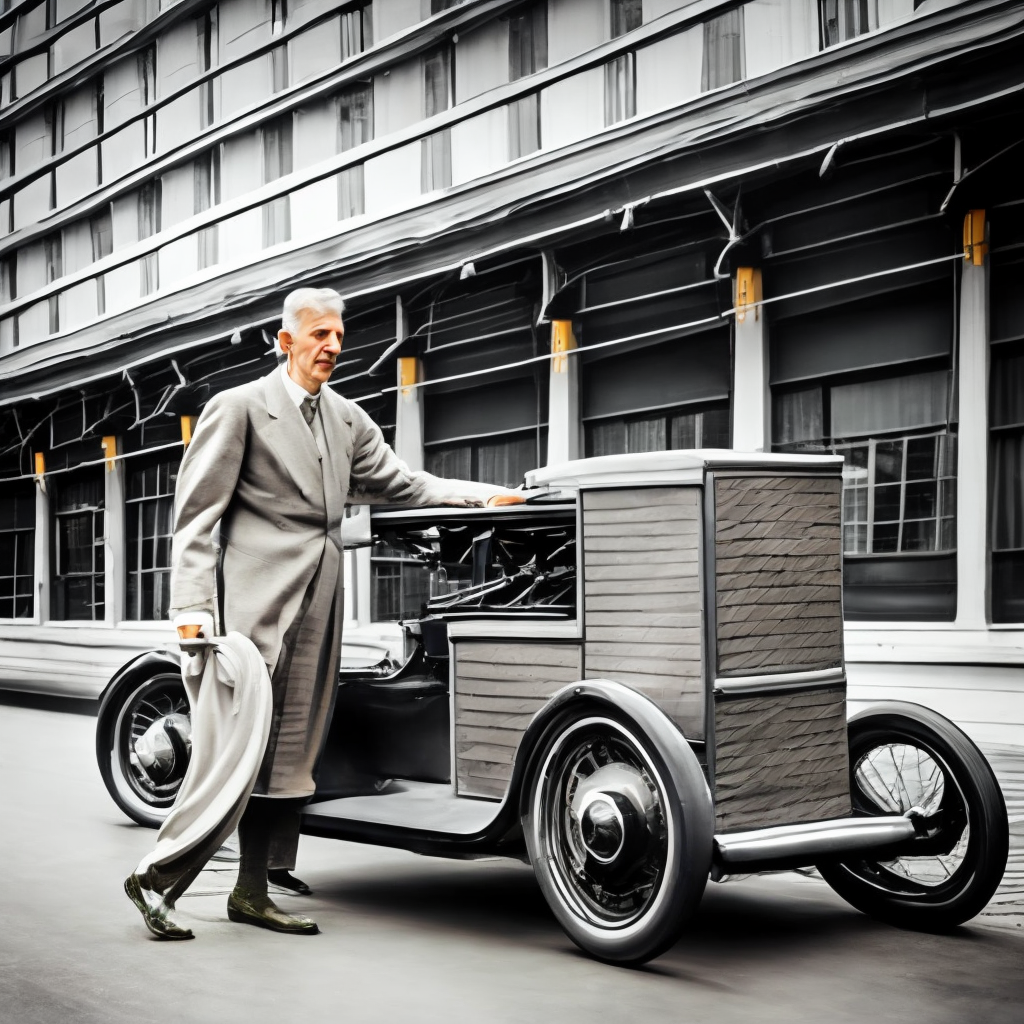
295, 443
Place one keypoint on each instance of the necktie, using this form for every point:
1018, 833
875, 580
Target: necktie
308, 410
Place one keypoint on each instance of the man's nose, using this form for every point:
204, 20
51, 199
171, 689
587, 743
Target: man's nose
334, 343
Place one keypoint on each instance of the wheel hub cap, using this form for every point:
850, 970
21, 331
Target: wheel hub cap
611, 808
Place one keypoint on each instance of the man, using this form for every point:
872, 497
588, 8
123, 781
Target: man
271, 464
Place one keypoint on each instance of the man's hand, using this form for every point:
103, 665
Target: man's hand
505, 499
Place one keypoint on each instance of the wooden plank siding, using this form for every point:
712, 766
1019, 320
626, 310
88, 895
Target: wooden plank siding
778, 574
781, 760
642, 603
499, 687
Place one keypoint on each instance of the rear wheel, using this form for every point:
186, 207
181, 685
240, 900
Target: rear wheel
906, 759
620, 844
143, 745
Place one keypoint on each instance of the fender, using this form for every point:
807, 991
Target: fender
609, 696
141, 667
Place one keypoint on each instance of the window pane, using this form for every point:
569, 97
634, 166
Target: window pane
723, 50
797, 416
646, 435
900, 403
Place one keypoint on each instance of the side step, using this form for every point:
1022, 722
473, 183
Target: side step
791, 846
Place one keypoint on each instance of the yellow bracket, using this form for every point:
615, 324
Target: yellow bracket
748, 292
188, 424
562, 342
975, 246
40, 468
408, 373
109, 445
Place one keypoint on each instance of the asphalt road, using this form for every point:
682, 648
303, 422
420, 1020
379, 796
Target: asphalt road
410, 939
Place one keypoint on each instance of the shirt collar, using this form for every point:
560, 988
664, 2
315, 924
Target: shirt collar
296, 392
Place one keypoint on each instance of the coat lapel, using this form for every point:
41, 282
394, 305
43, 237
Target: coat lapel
338, 431
291, 437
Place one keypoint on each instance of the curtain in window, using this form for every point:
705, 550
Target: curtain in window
277, 162
436, 162
777, 33
798, 417
847, 19
723, 50
355, 116
620, 89
437, 73
527, 42
1007, 417
454, 462
351, 192
899, 403
505, 463
356, 31
524, 126
626, 15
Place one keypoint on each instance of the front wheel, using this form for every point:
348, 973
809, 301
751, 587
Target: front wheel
143, 744
908, 759
619, 841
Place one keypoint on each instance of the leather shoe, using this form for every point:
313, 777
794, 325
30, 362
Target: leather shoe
154, 911
260, 910
283, 878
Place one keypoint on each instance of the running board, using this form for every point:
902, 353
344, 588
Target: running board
789, 846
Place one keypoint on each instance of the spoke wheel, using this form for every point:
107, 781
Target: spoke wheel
918, 763
144, 746
606, 836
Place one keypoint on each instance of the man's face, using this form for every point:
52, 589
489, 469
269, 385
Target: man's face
313, 349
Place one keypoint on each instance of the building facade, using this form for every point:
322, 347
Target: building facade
563, 228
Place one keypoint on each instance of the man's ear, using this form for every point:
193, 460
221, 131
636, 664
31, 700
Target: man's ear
284, 341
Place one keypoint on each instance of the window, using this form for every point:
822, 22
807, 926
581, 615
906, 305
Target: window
8, 292
399, 584
206, 182
6, 155
1007, 461
149, 510
17, 549
147, 94
278, 16
527, 42
501, 462
102, 233
524, 135
437, 6
701, 428
723, 50
626, 15
355, 126
438, 89
620, 89
846, 19
356, 30
149, 224
53, 255
206, 42
78, 536
277, 162
899, 486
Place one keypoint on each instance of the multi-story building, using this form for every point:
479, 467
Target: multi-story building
563, 228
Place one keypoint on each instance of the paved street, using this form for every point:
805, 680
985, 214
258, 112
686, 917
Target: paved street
407, 938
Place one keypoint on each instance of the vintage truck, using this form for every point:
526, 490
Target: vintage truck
635, 680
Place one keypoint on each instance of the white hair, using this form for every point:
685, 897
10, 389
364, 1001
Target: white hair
312, 300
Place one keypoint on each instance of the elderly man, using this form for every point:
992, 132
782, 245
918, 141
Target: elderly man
271, 464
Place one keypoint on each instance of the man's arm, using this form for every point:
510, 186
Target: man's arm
206, 482
378, 475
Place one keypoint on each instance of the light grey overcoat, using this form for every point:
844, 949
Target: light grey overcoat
254, 468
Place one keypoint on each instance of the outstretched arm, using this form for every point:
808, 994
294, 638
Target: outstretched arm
378, 475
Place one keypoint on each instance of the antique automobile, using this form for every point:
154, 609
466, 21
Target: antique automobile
635, 681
